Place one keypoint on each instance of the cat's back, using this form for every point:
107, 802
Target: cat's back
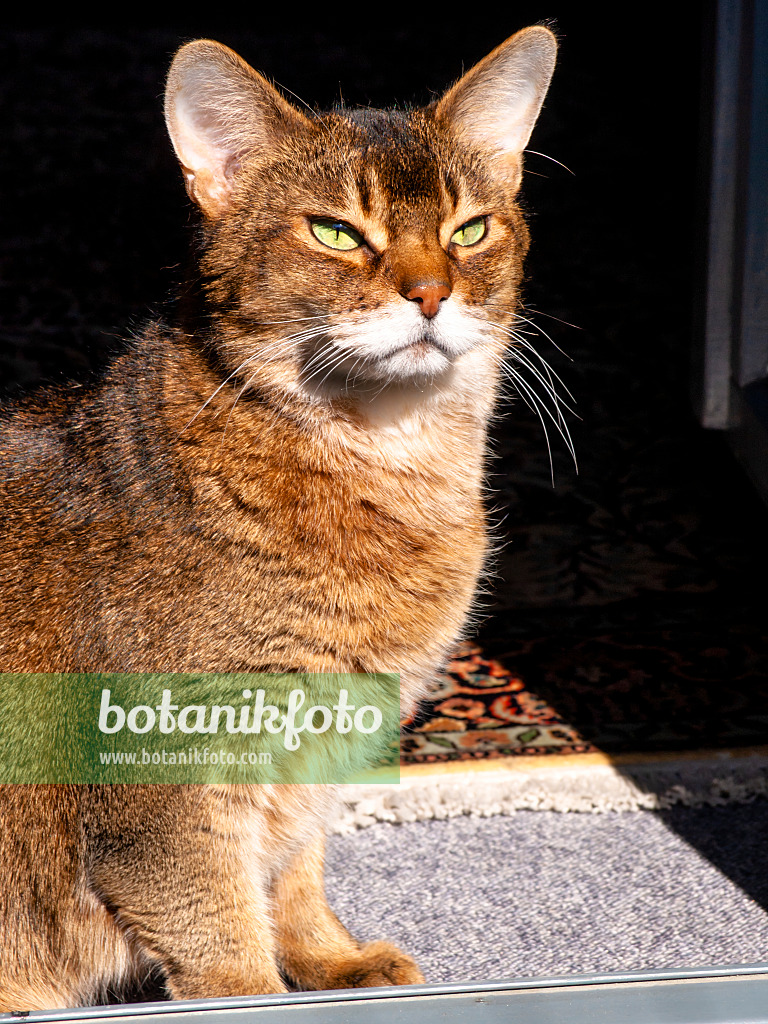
71, 454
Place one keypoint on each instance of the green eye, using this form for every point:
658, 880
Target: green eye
335, 234
469, 233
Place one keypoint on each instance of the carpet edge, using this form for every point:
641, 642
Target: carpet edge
604, 785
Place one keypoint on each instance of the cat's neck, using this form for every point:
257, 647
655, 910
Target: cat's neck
432, 429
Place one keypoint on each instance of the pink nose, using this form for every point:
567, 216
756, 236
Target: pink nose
429, 297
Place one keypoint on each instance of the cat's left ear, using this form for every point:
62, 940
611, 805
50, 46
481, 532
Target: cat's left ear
496, 104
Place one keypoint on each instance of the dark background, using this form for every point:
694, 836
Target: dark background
625, 595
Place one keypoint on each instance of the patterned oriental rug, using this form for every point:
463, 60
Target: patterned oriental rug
481, 709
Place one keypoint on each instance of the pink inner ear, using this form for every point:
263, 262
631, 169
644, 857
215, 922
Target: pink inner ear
205, 171
199, 135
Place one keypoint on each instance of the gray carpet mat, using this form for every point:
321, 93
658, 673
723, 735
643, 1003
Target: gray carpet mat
543, 893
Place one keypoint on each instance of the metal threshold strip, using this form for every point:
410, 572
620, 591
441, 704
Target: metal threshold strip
721, 995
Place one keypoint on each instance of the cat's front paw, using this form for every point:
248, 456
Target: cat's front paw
375, 964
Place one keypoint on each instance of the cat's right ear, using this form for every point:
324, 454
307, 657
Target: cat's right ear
219, 111
495, 105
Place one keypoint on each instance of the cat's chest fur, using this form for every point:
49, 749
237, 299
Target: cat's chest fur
248, 543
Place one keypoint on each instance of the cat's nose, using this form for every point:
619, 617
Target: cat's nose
429, 297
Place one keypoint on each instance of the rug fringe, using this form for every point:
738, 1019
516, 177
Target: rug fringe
719, 778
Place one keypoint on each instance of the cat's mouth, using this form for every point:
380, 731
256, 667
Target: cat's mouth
425, 349
422, 347
423, 358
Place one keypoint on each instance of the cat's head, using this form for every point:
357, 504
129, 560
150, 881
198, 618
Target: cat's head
349, 251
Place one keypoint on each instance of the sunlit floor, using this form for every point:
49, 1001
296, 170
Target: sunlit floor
545, 893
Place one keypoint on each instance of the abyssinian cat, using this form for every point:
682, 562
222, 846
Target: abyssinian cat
288, 477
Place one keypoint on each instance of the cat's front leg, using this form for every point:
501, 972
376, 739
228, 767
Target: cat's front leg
209, 940
176, 870
314, 949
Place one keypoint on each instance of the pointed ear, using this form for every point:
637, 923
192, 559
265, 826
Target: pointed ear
495, 105
218, 110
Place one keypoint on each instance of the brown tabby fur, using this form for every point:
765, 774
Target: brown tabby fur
225, 499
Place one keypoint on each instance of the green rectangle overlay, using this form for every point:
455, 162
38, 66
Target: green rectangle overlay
207, 728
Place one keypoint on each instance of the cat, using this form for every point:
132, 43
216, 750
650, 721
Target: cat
286, 477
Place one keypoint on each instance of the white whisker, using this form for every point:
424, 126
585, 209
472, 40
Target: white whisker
540, 330
550, 372
519, 383
535, 152
540, 312
218, 389
541, 407
547, 405
237, 398
515, 353
294, 320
